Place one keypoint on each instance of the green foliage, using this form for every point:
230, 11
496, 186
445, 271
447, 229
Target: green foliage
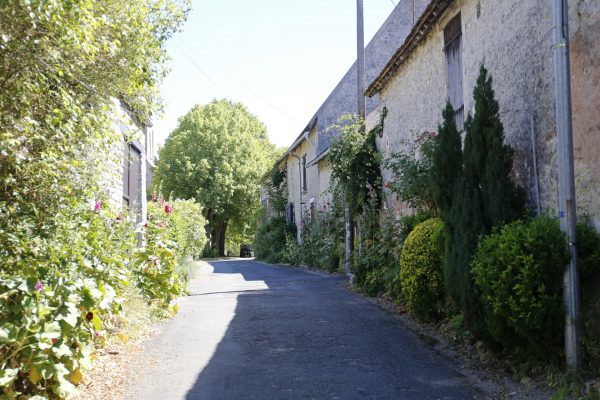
446, 162
187, 228
60, 300
322, 239
217, 155
155, 263
63, 267
271, 235
412, 171
354, 161
588, 265
518, 272
421, 271
483, 197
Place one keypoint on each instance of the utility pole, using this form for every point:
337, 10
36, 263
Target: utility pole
566, 177
360, 62
360, 87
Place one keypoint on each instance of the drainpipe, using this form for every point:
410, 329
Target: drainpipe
566, 179
299, 193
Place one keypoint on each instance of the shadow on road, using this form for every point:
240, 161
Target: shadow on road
297, 335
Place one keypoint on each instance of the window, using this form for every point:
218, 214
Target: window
452, 48
304, 180
132, 176
289, 213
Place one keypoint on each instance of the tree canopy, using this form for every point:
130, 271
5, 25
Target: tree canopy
217, 155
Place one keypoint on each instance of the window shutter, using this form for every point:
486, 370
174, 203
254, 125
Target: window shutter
452, 46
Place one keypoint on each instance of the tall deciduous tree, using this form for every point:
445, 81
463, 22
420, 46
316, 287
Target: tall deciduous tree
217, 155
484, 197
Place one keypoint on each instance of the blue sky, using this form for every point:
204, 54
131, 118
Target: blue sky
281, 58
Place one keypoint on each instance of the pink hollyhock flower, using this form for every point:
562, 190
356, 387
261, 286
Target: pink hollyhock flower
155, 261
98, 206
98, 334
153, 196
387, 185
433, 134
54, 341
39, 286
146, 225
168, 209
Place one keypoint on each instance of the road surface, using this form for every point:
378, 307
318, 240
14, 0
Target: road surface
254, 331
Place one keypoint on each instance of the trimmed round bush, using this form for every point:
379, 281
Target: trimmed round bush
518, 272
421, 271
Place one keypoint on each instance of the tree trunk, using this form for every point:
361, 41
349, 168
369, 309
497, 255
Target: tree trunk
220, 228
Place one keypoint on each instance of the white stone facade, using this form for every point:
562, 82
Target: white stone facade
513, 39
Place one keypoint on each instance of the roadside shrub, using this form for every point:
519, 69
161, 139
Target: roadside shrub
62, 301
156, 262
320, 238
394, 232
188, 228
518, 271
588, 263
270, 241
421, 270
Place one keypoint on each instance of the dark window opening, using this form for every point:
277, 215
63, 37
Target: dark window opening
304, 180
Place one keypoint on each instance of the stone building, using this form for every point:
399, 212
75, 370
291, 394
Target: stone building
131, 162
440, 60
308, 172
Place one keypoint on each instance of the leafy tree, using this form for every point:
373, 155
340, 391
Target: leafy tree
484, 197
63, 267
217, 155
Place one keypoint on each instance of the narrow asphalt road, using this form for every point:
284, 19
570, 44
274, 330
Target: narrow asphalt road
254, 331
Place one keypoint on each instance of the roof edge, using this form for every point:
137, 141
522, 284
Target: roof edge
422, 27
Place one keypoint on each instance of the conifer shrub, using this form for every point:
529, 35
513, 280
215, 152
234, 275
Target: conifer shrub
484, 196
518, 271
421, 271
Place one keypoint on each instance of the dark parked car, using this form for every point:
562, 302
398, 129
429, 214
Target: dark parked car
246, 250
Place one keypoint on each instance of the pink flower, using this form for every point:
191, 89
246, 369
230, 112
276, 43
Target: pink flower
54, 341
39, 286
98, 206
155, 261
387, 185
146, 225
433, 134
168, 209
153, 196
98, 334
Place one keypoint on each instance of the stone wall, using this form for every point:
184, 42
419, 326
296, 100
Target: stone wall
514, 40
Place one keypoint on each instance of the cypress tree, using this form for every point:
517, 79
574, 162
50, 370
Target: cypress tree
446, 162
484, 197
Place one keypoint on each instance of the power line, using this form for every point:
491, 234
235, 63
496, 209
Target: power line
201, 70
259, 97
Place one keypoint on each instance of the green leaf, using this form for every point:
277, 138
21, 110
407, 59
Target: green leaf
51, 330
7, 376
